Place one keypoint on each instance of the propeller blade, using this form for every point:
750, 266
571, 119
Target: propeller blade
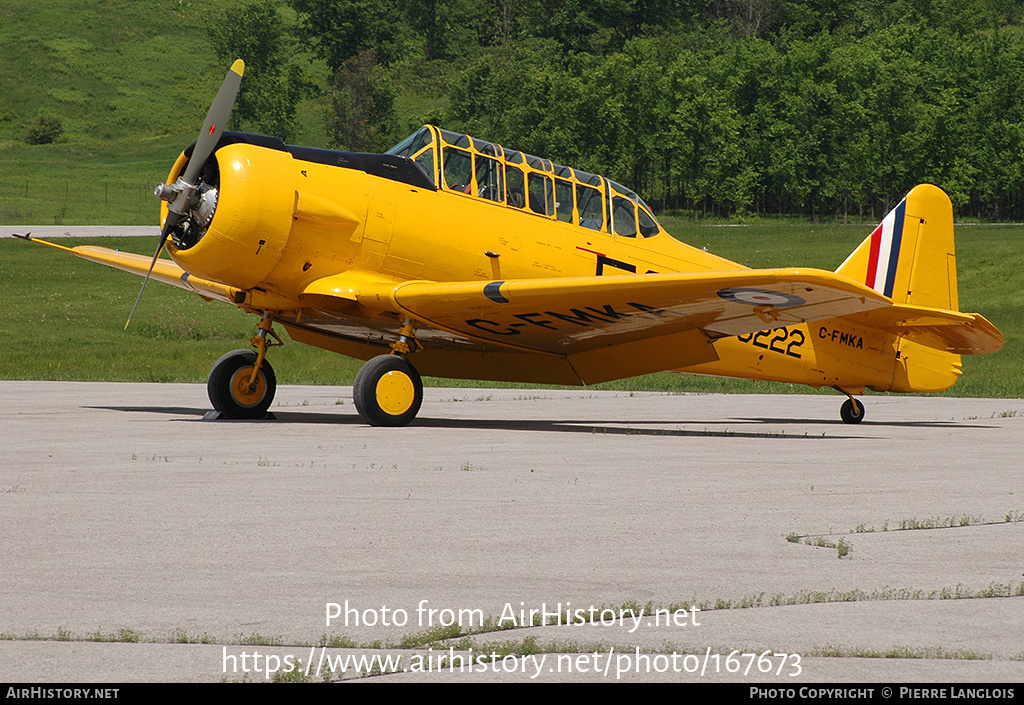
213, 128
172, 220
216, 119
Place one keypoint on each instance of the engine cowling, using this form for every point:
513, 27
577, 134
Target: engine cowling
239, 226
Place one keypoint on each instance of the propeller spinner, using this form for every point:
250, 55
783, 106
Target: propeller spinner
186, 196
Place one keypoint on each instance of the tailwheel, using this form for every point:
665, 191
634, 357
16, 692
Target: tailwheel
852, 411
234, 392
388, 391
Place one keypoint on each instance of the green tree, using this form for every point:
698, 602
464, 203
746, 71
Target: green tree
45, 130
338, 30
448, 28
362, 112
605, 26
789, 106
272, 86
708, 165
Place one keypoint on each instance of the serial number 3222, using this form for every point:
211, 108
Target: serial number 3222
785, 341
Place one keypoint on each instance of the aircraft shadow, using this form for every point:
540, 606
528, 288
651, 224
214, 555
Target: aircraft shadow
602, 428
868, 422
581, 426
591, 427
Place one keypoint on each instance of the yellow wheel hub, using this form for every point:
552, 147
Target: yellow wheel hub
240, 390
395, 393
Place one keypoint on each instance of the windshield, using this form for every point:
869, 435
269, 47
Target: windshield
412, 144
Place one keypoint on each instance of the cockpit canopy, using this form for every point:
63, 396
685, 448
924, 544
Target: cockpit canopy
463, 164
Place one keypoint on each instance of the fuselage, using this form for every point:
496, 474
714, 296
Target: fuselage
442, 207
330, 210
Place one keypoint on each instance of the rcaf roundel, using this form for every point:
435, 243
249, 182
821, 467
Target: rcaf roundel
761, 297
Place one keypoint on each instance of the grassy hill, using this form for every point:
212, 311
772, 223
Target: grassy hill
128, 80
130, 83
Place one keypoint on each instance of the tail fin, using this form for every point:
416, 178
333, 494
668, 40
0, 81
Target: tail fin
910, 257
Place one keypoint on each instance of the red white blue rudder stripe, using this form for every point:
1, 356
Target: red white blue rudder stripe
884, 253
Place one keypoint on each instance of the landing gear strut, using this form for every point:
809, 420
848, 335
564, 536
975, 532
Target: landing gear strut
242, 383
387, 389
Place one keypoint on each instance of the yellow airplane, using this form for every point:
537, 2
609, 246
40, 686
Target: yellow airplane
452, 256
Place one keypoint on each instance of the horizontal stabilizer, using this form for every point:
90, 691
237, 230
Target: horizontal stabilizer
949, 331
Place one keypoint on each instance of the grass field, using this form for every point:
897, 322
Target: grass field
91, 65
130, 83
64, 316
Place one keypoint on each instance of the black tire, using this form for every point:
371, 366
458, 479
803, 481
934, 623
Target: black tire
229, 392
847, 413
388, 391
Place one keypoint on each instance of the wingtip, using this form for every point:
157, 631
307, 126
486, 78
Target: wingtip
238, 67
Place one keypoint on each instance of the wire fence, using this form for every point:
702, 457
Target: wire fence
71, 200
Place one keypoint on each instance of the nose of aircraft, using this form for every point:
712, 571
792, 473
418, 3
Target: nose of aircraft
237, 229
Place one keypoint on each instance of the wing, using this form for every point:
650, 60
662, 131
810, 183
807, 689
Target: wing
611, 327
568, 315
164, 270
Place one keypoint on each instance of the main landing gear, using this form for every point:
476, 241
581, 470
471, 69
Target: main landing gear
242, 383
388, 390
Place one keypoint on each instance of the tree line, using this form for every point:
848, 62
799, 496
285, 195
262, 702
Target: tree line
723, 107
